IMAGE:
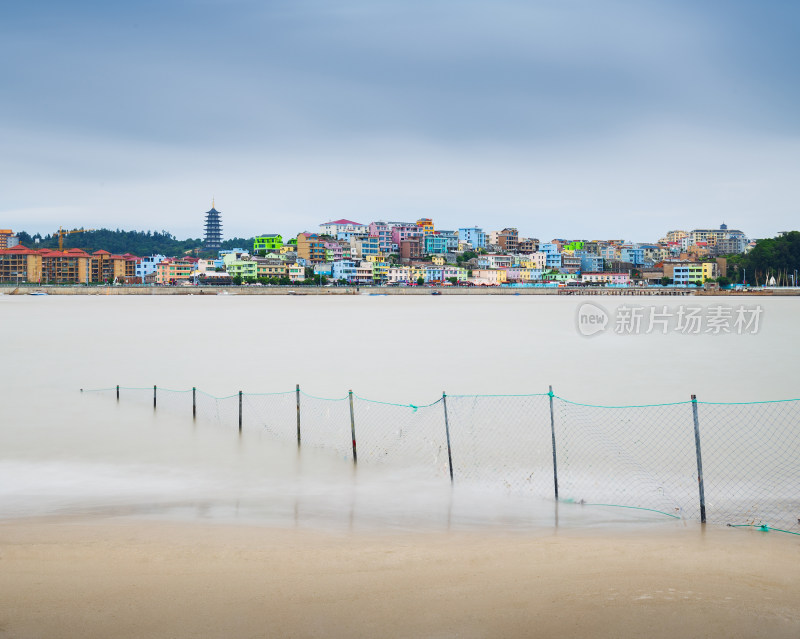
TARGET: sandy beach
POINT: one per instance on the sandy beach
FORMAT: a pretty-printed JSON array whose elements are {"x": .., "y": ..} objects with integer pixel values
[
  {"x": 120, "y": 521},
  {"x": 121, "y": 578}
]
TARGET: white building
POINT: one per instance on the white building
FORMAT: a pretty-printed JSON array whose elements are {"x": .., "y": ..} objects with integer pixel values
[{"x": 342, "y": 226}]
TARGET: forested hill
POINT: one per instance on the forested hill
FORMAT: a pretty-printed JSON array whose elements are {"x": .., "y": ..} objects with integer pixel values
[
  {"x": 134, "y": 242},
  {"x": 777, "y": 257}
]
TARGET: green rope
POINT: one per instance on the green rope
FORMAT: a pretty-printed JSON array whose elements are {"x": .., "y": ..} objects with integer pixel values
[
  {"x": 291, "y": 392},
  {"x": 768, "y": 401},
  {"x": 506, "y": 395},
  {"x": 652, "y": 510},
  {"x": 412, "y": 406},
  {"x": 215, "y": 397},
  {"x": 325, "y": 399},
  {"x": 763, "y": 527},
  {"x": 566, "y": 401},
  {"x": 415, "y": 407}
]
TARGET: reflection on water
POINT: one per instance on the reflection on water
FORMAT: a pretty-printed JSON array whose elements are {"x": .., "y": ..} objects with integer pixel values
[
  {"x": 162, "y": 466},
  {"x": 62, "y": 453}
]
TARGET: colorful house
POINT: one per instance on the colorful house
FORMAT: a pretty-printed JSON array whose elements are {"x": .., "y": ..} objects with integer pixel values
[
  {"x": 269, "y": 243},
  {"x": 474, "y": 236},
  {"x": 310, "y": 248},
  {"x": 491, "y": 277},
  {"x": 342, "y": 226},
  {"x": 435, "y": 244},
  {"x": 426, "y": 224}
]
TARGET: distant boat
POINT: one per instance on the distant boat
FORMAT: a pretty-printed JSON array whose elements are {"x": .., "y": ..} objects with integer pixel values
[
  {"x": 38, "y": 293},
  {"x": 436, "y": 292}
]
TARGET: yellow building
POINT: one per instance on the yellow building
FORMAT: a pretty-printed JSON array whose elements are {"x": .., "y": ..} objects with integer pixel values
[
  {"x": 5, "y": 235},
  {"x": 271, "y": 269},
  {"x": 426, "y": 224},
  {"x": 20, "y": 264},
  {"x": 438, "y": 260},
  {"x": 380, "y": 267},
  {"x": 171, "y": 271}
]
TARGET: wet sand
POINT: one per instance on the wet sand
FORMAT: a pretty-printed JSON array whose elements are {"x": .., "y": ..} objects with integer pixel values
[{"x": 121, "y": 578}]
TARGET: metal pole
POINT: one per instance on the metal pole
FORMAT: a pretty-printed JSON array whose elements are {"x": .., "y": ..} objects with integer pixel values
[
  {"x": 353, "y": 428},
  {"x": 447, "y": 431},
  {"x": 699, "y": 461},
  {"x": 117, "y": 392},
  {"x": 154, "y": 397},
  {"x": 194, "y": 402},
  {"x": 553, "y": 437},
  {"x": 240, "y": 412},
  {"x": 297, "y": 392}
]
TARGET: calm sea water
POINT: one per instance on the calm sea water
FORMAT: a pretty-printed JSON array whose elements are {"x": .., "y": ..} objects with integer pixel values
[{"x": 62, "y": 452}]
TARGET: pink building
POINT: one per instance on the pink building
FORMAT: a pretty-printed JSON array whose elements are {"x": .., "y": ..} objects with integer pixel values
[
  {"x": 383, "y": 231},
  {"x": 336, "y": 250},
  {"x": 405, "y": 232},
  {"x": 620, "y": 279}
]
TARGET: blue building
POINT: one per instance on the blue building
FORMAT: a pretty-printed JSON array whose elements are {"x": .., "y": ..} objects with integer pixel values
[
  {"x": 475, "y": 236},
  {"x": 632, "y": 254},
  {"x": 451, "y": 237},
  {"x": 553, "y": 256},
  {"x": 148, "y": 265},
  {"x": 590, "y": 263},
  {"x": 435, "y": 244},
  {"x": 345, "y": 270}
]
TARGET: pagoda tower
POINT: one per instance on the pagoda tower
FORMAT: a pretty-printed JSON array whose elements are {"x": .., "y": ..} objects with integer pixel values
[{"x": 213, "y": 229}]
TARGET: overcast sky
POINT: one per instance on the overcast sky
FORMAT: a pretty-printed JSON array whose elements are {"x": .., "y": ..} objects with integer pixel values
[{"x": 565, "y": 118}]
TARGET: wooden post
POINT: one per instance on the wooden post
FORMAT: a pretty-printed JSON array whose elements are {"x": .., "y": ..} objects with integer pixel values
[
  {"x": 699, "y": 461},
  {"x": 447, "y": 432},
  {"x": 117, "y": 392},
  {"x": 297, "y": 395},
  {"x": 194, "y": 402},
  {"x": 353, "y": 428},
  {"x": 553, "y": 437},
  {"x": 154, "y": 397},
  {"x": 240, "y": 412}
]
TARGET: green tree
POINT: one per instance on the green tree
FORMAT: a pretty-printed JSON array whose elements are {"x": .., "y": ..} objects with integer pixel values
[
  {"x": 237, "y": 280},
  {"x": 666, "y": 281},
  {"x": 420, "y": 281},
  {"x": 466, "y": 256},
  {"x": 453, "y": 280}
]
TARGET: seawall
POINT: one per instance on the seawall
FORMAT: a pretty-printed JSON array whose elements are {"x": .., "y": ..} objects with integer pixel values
[{"x": 375, "y": 290}]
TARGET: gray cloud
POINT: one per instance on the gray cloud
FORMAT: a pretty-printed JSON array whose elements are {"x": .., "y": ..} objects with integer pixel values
[{"x": 563, "y": 118}]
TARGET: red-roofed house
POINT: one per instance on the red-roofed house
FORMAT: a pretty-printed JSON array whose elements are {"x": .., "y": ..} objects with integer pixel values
[
  {"x": 20, "y": 264},
  {"x": 342, "y": 226}
]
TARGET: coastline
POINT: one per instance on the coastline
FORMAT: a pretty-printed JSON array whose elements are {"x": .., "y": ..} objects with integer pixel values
[
  {"x": 382, "y": 290},
  {"x": 65, "y": 577}
]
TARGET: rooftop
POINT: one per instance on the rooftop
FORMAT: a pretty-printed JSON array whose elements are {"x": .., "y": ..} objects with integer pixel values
[{"x": 343, "y": 221}]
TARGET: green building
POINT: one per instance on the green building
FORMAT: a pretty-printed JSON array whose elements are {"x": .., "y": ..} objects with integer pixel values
[{"x": 268, "y": 243}]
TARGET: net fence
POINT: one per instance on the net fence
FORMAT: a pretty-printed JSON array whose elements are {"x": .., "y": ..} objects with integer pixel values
[{"x": 638, "y": 457}]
